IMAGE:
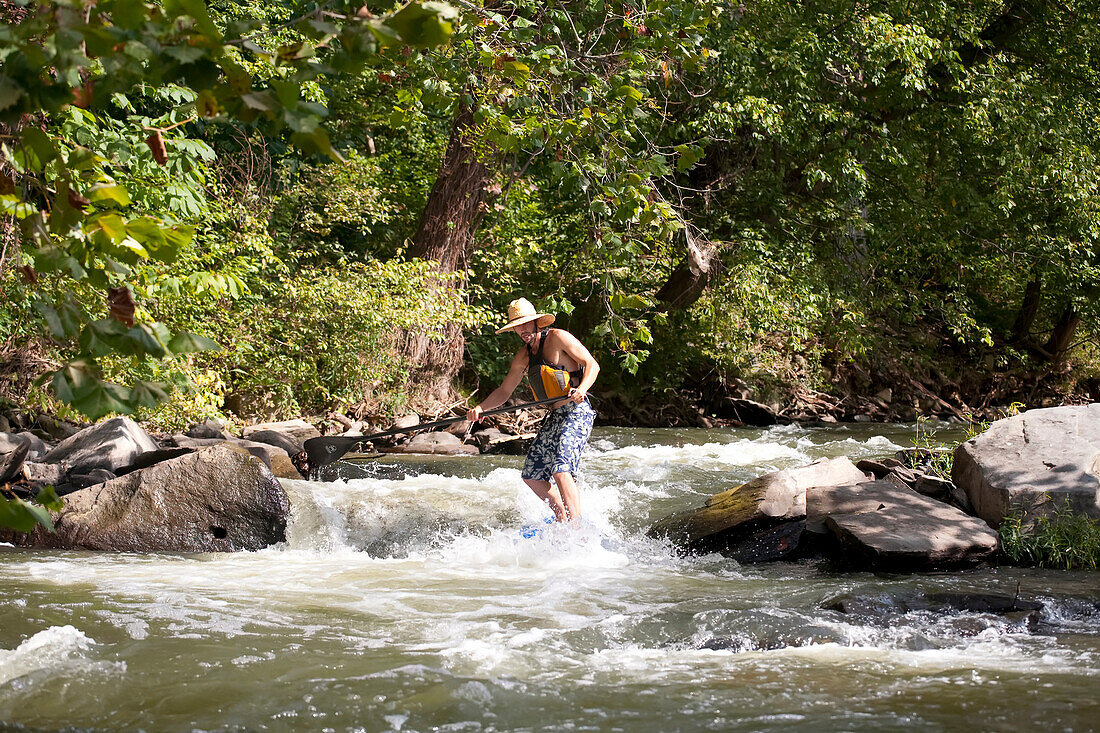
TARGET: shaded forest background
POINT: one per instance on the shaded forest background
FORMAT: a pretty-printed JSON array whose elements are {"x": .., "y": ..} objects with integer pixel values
[{"x": 888, "y": 209}]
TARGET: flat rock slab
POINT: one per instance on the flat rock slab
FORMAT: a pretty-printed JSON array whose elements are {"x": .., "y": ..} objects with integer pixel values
[
  {"x": 219, "y": 499},
  {"x": 907, "y": 531},
  {"x": 1038, "y": 461},
  {"x": 760, "y": 504}
]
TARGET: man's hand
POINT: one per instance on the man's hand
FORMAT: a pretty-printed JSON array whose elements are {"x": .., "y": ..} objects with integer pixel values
[
  {"x": 577, "y": 395},
  {"x": 474, "y": 413}
]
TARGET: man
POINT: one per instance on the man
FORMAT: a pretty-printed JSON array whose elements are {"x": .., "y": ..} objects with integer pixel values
[{"x": 556, "y": 365}]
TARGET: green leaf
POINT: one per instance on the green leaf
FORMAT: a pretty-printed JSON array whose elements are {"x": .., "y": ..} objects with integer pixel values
[
  {"x": 37, "y": 149},
  {"x": 109, "y": 194},
  {"x": 21, "y": 516},
  {"x": 423, "y": 25},
  {"x": 150, "y": 338},
  {"x": 48, "y": 498},
  {"x": 10, "y": 93},
  {"x": 102, "y": 398},
  {"x": 112, "y": 225},
  {"x": 186, "y": 343},
  {"x": 149, "y": 394}
]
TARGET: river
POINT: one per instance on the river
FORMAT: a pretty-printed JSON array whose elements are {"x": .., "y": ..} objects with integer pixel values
[{"x": 406, "y": 598}]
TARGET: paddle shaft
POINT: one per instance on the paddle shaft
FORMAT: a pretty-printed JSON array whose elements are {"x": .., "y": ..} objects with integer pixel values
[{"x": 325, "y": 450}]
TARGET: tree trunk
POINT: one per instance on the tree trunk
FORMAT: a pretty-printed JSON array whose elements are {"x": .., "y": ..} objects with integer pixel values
[
  {"x": 1029, "y": 308},
  {"x": 1062, "y": 335},
  {"x": 445, "y": 236}
]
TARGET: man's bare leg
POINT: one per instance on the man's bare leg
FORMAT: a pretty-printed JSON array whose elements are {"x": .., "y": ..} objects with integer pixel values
[
  {"x": 569, "y": 494},
  {"x": 546, "y": 491}
]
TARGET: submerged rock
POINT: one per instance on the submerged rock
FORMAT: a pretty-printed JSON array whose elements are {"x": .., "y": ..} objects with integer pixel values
[
  {"x": 1038, "y": 461},
  {"x": 219, "y": 499}
]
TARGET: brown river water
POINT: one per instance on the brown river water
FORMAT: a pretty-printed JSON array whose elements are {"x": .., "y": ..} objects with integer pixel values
[{"x": 406, "y": 598}]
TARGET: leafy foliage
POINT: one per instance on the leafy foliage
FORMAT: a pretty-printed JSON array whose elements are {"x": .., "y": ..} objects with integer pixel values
[{"x": 1062, "y": 539}]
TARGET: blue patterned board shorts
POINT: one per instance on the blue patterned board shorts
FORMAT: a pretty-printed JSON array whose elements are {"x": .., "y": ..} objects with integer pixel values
[{"x": 560, "y": 440}]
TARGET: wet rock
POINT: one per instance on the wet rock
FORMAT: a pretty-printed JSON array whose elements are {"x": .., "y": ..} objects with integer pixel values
[
  {"x": 909, "y": 601},
  {"x": 746, "y": 412},
  {"x": 111, "y": 444},
  {"x": 1039, "y": 461},
  {"x": 910, "y": 532},
  {"x": 218, "y": 499},
  {"x": 746, "y": 517},
  {"x": 298, "y": 430}
]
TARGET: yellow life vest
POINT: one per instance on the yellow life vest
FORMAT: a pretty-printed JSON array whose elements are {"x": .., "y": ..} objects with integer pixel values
[{"x": 549, "y": 380}]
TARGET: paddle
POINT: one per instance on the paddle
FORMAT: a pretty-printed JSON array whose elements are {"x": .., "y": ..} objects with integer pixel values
[{"x": 323, "y": 451}]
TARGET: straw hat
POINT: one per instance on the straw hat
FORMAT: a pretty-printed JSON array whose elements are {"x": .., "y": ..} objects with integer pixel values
[{"x": 521, "y": 311}]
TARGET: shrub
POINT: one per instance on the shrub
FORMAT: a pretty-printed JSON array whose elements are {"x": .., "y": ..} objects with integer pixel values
[{"x": 1062, "y": 539}]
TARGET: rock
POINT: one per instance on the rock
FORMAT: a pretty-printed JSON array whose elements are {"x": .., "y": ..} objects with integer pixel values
[
  {"x": 57, "y": 429},
  {"x": 10, "y": 442},
  {"x": 827, "y": 419},
  {"x": 878, "y": 467},
  {"x": 38, "y": 446},
  {"x": 219, "y": 499},
  {"x": 406, "y": 421},
  {"x": 905, "y": 476},
  {"x": 5, "y": 426},
  {"x": 83, "y": 480},
  {"x": 885, "y": 395},
  {"x": 298, "y": 430},
  {"x": 459, "y": 428},
  {"x": 1039, "y": 461},
  {"x": 441, "y": 443},
  {"x": 909, "y": 533},
  {"x": 45, "y": 473},
  {"x": 111, "y": 444},
  {"x": 489, "y": 436},
  {"x": 746, "y": 412},
  {"x": 276, "y": 459},
  {"x": 862, "y": 418},
  {"x": 279, "y": 440},
  {"x": 934, "y": 487},
  {"x": 907, "y": 602},
  {"x": 153, "y": 457},
  {"x": 733, "y": 518},
  {"x": 206, "y": 430},
  {"x": 11, "y": 462}
]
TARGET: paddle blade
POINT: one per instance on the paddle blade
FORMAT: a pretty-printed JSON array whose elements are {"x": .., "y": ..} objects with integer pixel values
[{"x": 323, "y": 451}]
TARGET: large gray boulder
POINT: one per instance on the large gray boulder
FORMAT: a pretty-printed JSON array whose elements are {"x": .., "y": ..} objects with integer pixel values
[
  {"x": 744, "y": 521},
  {"x": 1038, "y": 460},
  {"x": 111, "y": 444},
  {"x": 219, "y": 499},
  {"x": 885, "y": 526}
]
